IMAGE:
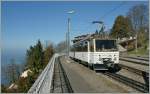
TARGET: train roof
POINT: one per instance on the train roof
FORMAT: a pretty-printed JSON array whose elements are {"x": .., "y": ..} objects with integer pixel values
[
  {"x": 90, "y": 37},
  {"x": 104, "y": 38}
]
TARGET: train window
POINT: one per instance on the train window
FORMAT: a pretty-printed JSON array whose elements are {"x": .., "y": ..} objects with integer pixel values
[
  {"x": 106, "y": 45},
  {"x": 84, "y": 46},
  {"x": 81, "y": 47}
]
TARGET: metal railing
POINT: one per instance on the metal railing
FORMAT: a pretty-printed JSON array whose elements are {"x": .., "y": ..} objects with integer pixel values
[{"x": 44, "y": 81}]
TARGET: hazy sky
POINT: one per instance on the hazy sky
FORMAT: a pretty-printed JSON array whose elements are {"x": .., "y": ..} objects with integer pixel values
[{"x": 23, "y": 23}]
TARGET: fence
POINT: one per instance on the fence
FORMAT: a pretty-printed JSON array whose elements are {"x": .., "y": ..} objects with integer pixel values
[{"x": 44, "y": 81}]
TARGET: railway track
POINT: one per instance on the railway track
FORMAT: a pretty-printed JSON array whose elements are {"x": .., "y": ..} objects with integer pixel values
[
  {"x": 134, "y": 70},
  {"x": 144, "y": 74},
  {"x": 138, "y": 58},
  {"x": 132, "y": 83},
  {"x": 60, "y": 83},
  {"x": 135, "y": 60}
]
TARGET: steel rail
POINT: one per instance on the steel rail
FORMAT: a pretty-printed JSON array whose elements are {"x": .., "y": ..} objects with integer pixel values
[
  {"x": 61, "y": 83},
  {"x": 70, "y": 90},
  {"x": 137, "y": 58},
  {"x": 133, "y": 61},
  {"x": 134, "y": 70},
  {"x": 132, "y": 83},
  {"x": 60, "y": 74}
]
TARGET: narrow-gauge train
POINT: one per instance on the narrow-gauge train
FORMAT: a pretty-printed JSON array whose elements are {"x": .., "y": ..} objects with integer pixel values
[{"x": 98, "y": 54}]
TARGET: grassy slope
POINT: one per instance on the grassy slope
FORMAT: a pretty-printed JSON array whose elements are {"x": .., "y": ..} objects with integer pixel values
[{"x": 141, "y": 51}]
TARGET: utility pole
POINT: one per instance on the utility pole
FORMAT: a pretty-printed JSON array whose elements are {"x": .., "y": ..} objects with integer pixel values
[
  {"x": 66, "y": 43},
  {"x": 68, "y": 36},
  {"x": 68, "y": 39}
]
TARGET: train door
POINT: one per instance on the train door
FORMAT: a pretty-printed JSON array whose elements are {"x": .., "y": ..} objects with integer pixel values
[{"x": 91, "y": 52}]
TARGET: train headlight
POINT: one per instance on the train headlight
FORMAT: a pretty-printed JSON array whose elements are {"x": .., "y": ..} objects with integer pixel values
[
  {"x": 100, "y": 59},
  {"x": 115, "y": 58}
]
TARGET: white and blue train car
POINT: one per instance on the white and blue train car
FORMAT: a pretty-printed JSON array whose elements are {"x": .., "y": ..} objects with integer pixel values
[{"x": 99, "y": 54}]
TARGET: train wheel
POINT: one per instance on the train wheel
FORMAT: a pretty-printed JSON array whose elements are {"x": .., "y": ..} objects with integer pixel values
[
  {"x": 115, "y": 68},
  {"x": 92, "y": 67}
]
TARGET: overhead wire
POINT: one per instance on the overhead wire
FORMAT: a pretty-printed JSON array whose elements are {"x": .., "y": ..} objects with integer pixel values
[
  {"x": 104, "y": 16},
  {"x": 112, "y": 10}
]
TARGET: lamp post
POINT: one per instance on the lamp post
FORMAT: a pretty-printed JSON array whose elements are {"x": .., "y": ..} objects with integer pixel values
[
  {"x": 68, "y": 34},
  {"x": 66, "y": 43}
]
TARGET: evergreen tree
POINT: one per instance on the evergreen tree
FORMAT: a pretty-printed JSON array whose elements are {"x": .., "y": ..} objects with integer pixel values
[
  {"x": 35, "y": 57},
  {"x": 38, "y": 56},
  {"x": 121, "y": 27}
]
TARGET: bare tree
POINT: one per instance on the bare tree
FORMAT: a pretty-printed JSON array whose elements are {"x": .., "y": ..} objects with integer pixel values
[
  {"x": 138, "y": 16},
  {"x": 12, "y": 71},
  {"x": 61, "y": 46}
]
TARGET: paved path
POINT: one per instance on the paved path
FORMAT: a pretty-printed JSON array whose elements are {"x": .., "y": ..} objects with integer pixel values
[{"x": 84, "y": 80}]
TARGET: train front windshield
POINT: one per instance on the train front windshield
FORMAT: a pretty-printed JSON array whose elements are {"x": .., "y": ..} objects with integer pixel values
[{"x": 106, "y": 45}]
